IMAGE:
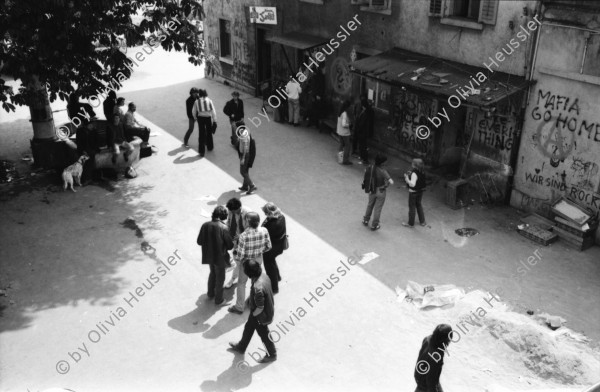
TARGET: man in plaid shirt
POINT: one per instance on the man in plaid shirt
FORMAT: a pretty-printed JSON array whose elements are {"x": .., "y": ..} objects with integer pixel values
[{"x": 253, "y": 242}]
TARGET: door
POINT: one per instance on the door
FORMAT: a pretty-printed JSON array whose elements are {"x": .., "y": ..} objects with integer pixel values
[{"x": 263, "y": 63}]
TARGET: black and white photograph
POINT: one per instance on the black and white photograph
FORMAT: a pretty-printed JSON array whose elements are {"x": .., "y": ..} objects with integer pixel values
[{"x": 299, "y": 195}]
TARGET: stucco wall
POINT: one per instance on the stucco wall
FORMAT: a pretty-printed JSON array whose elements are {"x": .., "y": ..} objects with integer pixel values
[
  {"x": 242, "y": 69},
  {"x": 409, "y": 27},
  {"x": 560, "y": 146}
]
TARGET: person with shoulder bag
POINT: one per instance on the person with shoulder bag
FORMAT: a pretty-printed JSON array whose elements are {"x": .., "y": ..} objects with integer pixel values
[{"x": 375, "y": 182}]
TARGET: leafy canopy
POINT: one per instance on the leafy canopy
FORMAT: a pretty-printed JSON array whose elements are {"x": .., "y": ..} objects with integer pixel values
[{"x": 61, "y": 42}]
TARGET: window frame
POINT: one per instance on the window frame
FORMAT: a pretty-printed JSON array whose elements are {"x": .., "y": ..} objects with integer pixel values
[
  {"x": 486, "y": 14},
  {"x": 229, "y": 58}
]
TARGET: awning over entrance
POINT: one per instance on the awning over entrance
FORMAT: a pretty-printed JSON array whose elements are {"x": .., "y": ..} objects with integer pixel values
[
  {"x": 299, "y": 40},
  {"x": 440, "y": 77}
]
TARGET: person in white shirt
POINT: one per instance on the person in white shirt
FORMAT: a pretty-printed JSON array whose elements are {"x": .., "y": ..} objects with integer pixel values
[
  {"x": 293, "y": 90},
  {"x": 204, "y": 111},
  {"x": 133, "y": 127},
  {"x": 343, "y": 131}
]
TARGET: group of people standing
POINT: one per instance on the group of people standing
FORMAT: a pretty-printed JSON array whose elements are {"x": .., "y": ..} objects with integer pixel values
[
  {"x": 235, "y": 228},
  {"x": 200, "y": 108}
]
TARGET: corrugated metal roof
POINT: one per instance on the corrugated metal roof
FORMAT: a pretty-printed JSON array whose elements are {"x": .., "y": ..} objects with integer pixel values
[
  {"x": 440, "y": 77},
  {"x": 299, "y": 40}
]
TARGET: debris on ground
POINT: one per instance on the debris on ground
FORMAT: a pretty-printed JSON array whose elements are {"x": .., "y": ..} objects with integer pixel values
[
  {"x": 466, "y": 232},
  {"x": 429, "y": 295},
  {"x": 8, "y": 172}
]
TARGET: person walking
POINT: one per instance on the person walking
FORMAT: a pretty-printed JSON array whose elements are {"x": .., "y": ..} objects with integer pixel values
[
  {"x": 416, "y": 181},
  {"x": 275, "y": 225},
  {"x": 253, "y": 242},
  {"x": 204, "y": 111},
  {"x": 375, "y": 182},
  {"x": 361, "y": 131},
  {"x": 215, "y": 240},
  {"x": 236, "y": 224},
  {"x": 234, "y": 110},
  {"x": 189, "y": 107},
  {"x": 293, "y": 90},
  {"x": 343, "y": 131},
  {"x": 431, "y": 359},
  {"x": 262, "y": 310},
  {"x": 247, "y": 154}
]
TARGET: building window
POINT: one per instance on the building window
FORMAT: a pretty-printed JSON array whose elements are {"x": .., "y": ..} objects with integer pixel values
[
  {"x": 225, "y": 35},
  {"x": 465, "y": 13},
  {"x": 379, "y": 6}
]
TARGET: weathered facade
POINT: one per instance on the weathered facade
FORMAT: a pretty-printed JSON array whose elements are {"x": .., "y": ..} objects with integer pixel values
[
  {"x": 508, "y": 89},
  {"x": 559, "y": 153}
]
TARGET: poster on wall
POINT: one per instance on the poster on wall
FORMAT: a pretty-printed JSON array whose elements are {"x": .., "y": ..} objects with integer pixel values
[{"x": 263, "y": 15}]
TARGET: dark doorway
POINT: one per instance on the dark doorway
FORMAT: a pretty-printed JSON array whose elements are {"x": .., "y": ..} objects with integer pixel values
[{"x": 263, "y": 62}]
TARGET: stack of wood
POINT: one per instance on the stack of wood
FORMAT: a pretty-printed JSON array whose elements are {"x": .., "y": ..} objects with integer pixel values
[{"x": 574, "y": 224}]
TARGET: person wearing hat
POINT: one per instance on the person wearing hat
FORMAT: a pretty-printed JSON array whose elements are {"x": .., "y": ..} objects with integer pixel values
[
  {"x": 375, "y": 182},
  {"x": 251, "y": 245},
  {"x": 189, "y": 106},
  {"x": 234, "y": 110},
  {"x": 275, "y": 225}
]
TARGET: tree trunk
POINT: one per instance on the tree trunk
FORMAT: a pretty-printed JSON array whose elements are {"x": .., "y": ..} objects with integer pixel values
[{"x": 41, "y": 113}]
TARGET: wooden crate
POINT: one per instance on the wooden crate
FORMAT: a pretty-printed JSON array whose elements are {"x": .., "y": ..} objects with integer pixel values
[
  {"x": 537, "y": 234},
  {"x": 455, "y": 192}
]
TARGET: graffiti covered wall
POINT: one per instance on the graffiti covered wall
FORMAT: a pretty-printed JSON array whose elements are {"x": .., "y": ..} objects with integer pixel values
[{"x": 239, "y": 63}]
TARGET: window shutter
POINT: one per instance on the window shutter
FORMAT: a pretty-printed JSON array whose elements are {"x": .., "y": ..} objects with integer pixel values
[
  {"x": 435, "y": 7},
  {"x": 488, "y": 10},
  {"x": 377, "y": 3}
]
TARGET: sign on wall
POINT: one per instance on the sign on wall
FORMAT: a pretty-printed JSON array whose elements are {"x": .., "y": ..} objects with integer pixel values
[{"x": 263, "y": 15}]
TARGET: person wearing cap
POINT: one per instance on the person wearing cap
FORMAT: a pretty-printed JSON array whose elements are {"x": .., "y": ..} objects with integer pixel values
[
  {"x": 262, "y": 310},
  {"x": 189, "y": 106},
  {"x": 234, "y": 110},
  {"x": 215, "y": 240},
  {"x": 275, "y": 225},
  {"x": 253, "y": 242},
  {"x": 375, "y": 183}
]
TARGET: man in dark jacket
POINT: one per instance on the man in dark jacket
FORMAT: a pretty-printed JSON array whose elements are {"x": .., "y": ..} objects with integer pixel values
[
  {"x": 109, "y": 106},
  {"x": 234, "y": 110},
  {"x": 215, "y": 240},
  {"x": 189, "y": 105},
  {"x": 262, "y": 310},
  {"x": 431, "y": 359}
]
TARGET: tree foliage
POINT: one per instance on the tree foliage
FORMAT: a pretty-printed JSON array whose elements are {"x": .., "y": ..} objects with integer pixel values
[{"x": 59, "y": 43}]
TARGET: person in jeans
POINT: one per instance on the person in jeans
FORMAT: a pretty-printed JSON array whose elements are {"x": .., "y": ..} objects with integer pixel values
[
  {"x": 133, "y": 127},
  {"x": 253, "y": 242},
  {"x": 293, "y": 90},
  {"x": 415, "y": 180},
  {"x": 431, "y": 359},
  {"x": 116, "y": 137},
  {"x": 189, "y": 106},
  {"x": 343, "y": 130},
  {"x": 236, "y": 222},
  {"x": 215, "y": 240},
  {"x": 262, "y": 310},
  {"x": 375, "y": 182},
  {"x": 246, "y": 161},
  {"x": 275, "y": 225}
]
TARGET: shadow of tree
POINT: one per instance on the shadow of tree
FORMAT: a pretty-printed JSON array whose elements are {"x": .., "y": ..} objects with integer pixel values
[{"x": 80, "y": 244}]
